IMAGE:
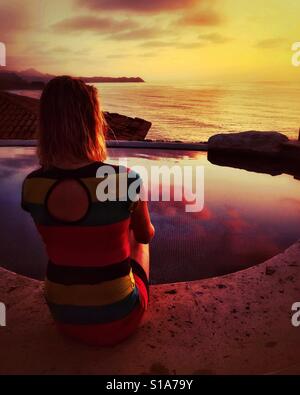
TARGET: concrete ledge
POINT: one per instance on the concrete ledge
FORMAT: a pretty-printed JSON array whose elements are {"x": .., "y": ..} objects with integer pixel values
[
  {"x": 148, "y": 144},
  {"x": 235, "y": 324}
]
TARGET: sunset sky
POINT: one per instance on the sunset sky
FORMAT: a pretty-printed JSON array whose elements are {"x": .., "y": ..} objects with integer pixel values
[{"x": 194, "y": 40}]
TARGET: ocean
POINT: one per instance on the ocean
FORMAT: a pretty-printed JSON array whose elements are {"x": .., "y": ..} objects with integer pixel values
[{"x": 196, "y": 111}]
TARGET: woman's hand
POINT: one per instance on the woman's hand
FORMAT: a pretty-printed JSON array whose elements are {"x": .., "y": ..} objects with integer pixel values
[{"x": 141, "y": 225}]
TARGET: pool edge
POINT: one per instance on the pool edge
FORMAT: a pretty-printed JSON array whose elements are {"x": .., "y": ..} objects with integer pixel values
[{"x": 239, "y": 323}]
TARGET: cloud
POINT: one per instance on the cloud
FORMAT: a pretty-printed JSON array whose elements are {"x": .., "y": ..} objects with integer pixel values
[
  {"x": 189, "y": 45},
  {"x": 206, "y": 214},
  {"x": 60, "y": 49},
  {"x": 148, "y": 55},
  {"x": 115, "y": 29},
  {"x": 173, "y": 44},
  {"x": 13, "y": 20},
  {"x": 122, "y": 56},
  {"x": 117, "y": 56},
  {"x": 214, "y": 38},
  {"x": 140, "y": 6},
  {"x": 270, "y": 43},
  {"x": 102, "y": 25},
  {"x": 137, "y": 34},
  {"x": 157, "y": 44},
  {"x": 203, "y": 39},
  {"x": 206, "y": 17},
  {"x": 293, "y": 202},
  {"x": 235, "y": 221}
]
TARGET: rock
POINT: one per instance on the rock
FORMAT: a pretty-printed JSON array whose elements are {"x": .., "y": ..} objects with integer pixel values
[
  {"x": 126, "y": 128},
  {"x": 291, "y": 150},
  {"x": 251, "y": 143},
  {"x": 18, "y": 120}
]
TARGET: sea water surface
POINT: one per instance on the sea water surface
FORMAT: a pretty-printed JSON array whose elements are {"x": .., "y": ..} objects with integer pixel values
[{"x": 196, "y": 111}]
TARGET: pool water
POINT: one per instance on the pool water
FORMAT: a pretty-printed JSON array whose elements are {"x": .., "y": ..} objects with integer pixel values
[{"x": 247, "y": 217}]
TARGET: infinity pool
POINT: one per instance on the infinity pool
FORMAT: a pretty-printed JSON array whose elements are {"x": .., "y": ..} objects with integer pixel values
[{"x": 247, "y": 217}]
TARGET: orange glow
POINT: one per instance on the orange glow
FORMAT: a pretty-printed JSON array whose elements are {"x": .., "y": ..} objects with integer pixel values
[{"x": 161, "y": 40}]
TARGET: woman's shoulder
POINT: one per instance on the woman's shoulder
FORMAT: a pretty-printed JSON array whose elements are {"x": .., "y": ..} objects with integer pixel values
[
  {"x": 119, "y": 169},
  {"x": 88, "y": 171},
  {"x": 35, "y": 173}
]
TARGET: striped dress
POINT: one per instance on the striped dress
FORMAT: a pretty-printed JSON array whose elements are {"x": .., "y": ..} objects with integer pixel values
[{"x": 95, "y": 292}]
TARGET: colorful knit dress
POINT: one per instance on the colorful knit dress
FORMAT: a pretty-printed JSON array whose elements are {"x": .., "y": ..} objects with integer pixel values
[{"x": 95, "y": 292}]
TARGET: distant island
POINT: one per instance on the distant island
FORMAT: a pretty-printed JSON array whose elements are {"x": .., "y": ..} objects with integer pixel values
[
  {"x": 33, "y": 79},
  {"x": 111, "y": 79},
  {"x": 10, "y": 81}
]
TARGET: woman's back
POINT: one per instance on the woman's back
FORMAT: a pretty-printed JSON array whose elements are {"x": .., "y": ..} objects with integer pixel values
[{"x": 94, "y": 290}]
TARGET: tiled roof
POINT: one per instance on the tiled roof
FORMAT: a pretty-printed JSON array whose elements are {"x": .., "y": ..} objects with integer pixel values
[{"x": 18, "y": 116}]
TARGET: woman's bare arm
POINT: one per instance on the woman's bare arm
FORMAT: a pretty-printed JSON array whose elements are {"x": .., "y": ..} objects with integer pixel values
[{"x": 141, "y": 225}]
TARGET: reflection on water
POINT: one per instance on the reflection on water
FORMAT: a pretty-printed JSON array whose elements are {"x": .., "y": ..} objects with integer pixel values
[{"x": 247, "y": 218}]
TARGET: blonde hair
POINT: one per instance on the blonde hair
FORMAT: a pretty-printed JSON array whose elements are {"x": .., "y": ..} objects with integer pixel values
[{"x": 71, "y": 125}]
